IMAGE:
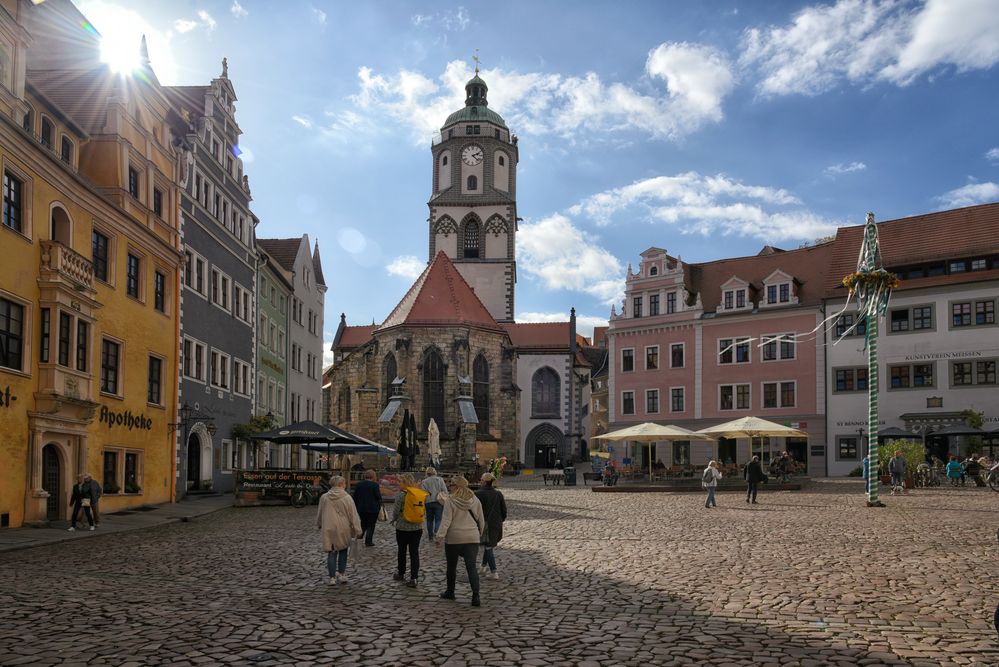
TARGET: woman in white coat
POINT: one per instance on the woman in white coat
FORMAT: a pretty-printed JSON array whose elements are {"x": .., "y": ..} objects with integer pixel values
[
  {"x": 709, "y": 480},
  {"x": 339, "y": 522}
]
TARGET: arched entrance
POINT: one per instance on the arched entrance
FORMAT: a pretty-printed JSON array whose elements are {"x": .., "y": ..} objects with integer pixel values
[
  {"x": 61, "y": 227},
  {"x": 193, "y": 461},
  {"x": 545, "y": 441},
  {"x": 52, "y": 481}
]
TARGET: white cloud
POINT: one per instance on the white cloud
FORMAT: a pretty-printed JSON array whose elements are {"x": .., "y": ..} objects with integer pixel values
[
  {"x": 697, "y": 79},
  {"x": 709, "y": 205},
  {"x": 562, "y": 257},
  {"x": 969, "y": 195},
  {"x": 237, "y": 10},
  {"x": 863, "y": 41},
  {"x": 327, "y": 351},
  {"x": 453, "y": 21},
  {"x": 206, "y": 20},
  {"x": 992, "y": 155},
  {"x": 319, "y": 15},
  {"x": 584, "y": 323},
  {"x": 843, "y": 168},
  {"x": 304, "y": 121},
  {"x": 406, "y": 266}
]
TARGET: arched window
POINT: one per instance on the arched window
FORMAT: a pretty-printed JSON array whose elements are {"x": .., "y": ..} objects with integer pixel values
[
  {"x": 480, "y": 393},
  {"x": 343, "y": 405},
  {"x": 444, "y": 161},
  {"x": 653, "y": 271},
  {"x": 433, "y": 389},
  {"x": 471, "y": 239},
  {"x": 391, "y": 371},
  {"x": 473, "y": 183},
  {"x": 545, "y": 393},
  {"x": 46, "y": 133},
  {"x": 61, "y": 228}
]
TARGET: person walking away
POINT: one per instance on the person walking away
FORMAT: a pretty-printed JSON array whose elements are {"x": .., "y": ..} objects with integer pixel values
[
  {"x": 754, "y": 475},
  {"x": 435, "y": 486},
  {"x": 96, "y": 491},
  {"x": 409, "y": 516},
  {"x": 461, "y": 531},
  {"x": 82, "y": 498},
  {"x": 368, "y": 500},
  {"x": 954, "y": 471},
  {"x": 339, "y": 522},
  {"x": 494, "y": 511},
  {"x": 709, "y": 480},
  {"x": 896, "y": 468}
]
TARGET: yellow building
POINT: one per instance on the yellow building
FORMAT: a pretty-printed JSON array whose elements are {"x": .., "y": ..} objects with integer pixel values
[{"x": 89, "y": 276}]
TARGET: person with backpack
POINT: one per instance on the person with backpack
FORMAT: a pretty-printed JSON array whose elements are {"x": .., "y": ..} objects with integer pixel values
[
  {"x": 461, "y": 530},
  {"x": 709, "y": 480},
  {"x": 754, "y": 475},
  {"x": 494, "y": 511},
  {"x": 409, "y": 516}
]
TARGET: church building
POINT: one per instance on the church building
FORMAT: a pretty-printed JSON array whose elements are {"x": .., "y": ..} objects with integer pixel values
[{"x": 451, "y": 350}]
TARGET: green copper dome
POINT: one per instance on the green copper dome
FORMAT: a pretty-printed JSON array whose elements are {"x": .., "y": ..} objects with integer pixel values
[{"x": 476, "y": 105}]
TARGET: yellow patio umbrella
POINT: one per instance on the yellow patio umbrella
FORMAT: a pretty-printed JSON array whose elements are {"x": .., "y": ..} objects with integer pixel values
[
  {"x": 650, "y": 432},
  {"x": 752, "y": 427}
]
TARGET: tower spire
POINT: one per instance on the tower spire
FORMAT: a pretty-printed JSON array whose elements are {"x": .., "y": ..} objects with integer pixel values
[{"x": 476, "y": 59}]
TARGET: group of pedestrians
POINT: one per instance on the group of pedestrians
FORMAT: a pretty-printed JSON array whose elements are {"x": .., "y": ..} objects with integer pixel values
[
  {"x": 450, "y": 513},
  {"x": 752, "y": 473},
  {"x": 86, "y": 495}
]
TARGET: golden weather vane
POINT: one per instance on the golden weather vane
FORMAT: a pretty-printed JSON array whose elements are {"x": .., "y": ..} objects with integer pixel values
[{"x": 476, "y": 59}]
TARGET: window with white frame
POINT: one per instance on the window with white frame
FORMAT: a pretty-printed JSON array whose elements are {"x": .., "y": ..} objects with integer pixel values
[
  {"x": 676, "y": 399},
  {"x": 220, "y": 289},
  {"x": 228, "y": 460},
  {"x": 779, "y": 394},
  {"x": 627, "y": 402},
  {"x": 778, "y": 346},
  {"x": 627, "y": 360},
  {"x": 676, "y": 355},
  {"x": 733, "y": 397},
  {"x": 651, "y": 401},
  {"x": 652, "y": 358},
  {"x": 733, "y": 351},
  {"x": 241, "y": 377},
  {"x": 220, "y": 369},
  {"x": 242, "y": 304},
  {"x": 194, "y": 359}
]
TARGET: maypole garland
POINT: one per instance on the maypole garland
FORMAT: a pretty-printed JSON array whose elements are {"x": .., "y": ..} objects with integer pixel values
[{"x": 872, "y": 286}]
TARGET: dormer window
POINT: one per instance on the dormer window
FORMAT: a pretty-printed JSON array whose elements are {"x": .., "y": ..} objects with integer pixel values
[
  {"x": 778, "y": 289},
  {"x": 735, "y": 298},
  {"x": 740, "y": 298}
]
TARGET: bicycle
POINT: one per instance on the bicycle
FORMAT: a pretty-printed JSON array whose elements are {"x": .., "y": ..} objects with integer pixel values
[
  {"x": 992, "y": 477},
  {"x": 303, "y": 495}
]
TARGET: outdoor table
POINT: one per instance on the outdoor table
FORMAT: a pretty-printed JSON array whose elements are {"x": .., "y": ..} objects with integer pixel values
[{"x": 555, "y": 476}]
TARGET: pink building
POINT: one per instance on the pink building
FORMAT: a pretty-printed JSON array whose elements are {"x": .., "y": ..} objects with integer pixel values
[{"x": 700, "y": 344}]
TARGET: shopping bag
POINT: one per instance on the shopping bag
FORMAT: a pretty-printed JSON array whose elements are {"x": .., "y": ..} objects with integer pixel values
[
  {"x": 355, "y": 549},
  {"x": 382, "y": 514}
]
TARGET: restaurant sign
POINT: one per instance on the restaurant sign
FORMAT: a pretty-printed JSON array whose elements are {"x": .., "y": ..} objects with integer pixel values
[{"x": 257, "y": 480}]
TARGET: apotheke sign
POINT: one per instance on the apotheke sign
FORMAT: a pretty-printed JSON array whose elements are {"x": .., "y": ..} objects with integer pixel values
[{"x": 125, "y": 420}]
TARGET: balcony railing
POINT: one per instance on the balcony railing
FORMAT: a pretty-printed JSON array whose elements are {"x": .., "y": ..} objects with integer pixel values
[{"x": 68, "y": 264}]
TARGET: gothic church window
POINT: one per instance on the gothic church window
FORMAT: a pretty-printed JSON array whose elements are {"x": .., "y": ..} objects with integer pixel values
[
  {"x": 343, "y": 405},
  {"x": 471, "y": 239},
  {"x": 433, "y": 389},
  {"x": 391, "y": 371},
  {"x": 480, "y": 393},
  {"x": 545, "y": 393}
]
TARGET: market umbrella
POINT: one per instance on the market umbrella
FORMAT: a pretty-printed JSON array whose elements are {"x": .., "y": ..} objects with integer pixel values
[
  {"x": 434, "y": 442},
  {"x": 752, "y": 427},
  {"x": 310, "y": 433},
  {"x": 404, "y": 439},
  {"x": 895, "y": 433},
  {"x": 650, "y": 432},
  {"x": 959, "y": 429},
  {"x": 414, "y": 449}
]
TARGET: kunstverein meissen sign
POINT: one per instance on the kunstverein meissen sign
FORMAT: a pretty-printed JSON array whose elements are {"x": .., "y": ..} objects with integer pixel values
[{"x": 115, "y": 419}]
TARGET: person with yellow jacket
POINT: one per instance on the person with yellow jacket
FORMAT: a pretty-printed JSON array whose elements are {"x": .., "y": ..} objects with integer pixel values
[
  {"x": 461, "y": 530},
  {"x": 339, "y": 522}
]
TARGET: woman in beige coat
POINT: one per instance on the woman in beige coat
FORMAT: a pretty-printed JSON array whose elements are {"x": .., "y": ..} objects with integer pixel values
[
  {"x": 461, "y": 530},
  {"x": 339, "y": 522}
]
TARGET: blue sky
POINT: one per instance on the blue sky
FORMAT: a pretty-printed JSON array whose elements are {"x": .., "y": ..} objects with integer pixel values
[{"x": 706, "y": 128}]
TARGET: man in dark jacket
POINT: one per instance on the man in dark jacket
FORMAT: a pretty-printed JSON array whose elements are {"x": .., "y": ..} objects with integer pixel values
[
  {"x": 754, "y": 475},
  {"x": 494, "y": 512},
  {"x": 82, "y": 498},
  {"x": 96, "y": 491},
  {"x": 368, "y": 500}
]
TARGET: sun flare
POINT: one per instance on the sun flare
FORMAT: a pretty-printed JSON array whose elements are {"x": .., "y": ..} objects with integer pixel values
[
  {"x": 121, "y": 30},
  {"x": 120, "y": 52}
]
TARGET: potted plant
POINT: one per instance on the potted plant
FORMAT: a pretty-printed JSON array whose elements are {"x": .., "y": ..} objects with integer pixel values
[
  {"x": 111, "y": 487},
  {"x": 132, "y": 487}
]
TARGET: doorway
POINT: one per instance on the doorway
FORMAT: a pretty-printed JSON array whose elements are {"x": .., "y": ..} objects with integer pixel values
[
  {"x": 545, "y": 441},
  {"x": 193, "y": 461},
  {"x": 798, "y": 449},
  {"x": 52, "y": 481}
]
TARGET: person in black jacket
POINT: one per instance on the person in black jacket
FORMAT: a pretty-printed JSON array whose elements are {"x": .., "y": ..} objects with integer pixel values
[
  {"x": 83, "y": 497},
  {"x": 754, "y": 475},
  {"x": 368, "y": 500},
  {"x": 494, "y": 512}
]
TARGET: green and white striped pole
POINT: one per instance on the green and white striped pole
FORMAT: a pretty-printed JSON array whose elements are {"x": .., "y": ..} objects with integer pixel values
[{"x": 873, "y": 466}]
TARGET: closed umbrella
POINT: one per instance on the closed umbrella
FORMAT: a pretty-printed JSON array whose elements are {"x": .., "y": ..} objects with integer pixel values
[
  {"x": 434, "y": 442},
  {"x": 404, "y": 439},
  {"x": 414, "y": 449},
  {"x": 650, "y": 432}
]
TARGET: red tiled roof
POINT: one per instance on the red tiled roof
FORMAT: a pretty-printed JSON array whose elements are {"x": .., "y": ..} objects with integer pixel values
[
  {"x": 599, "y": 336},
  {"x": 954, "y": 234},
  {"x": 440, "y": 296},
  {"x": 356, "y": 336},
  {"x": 808, "y": 267},
  {"x": 539, "y": 335},
  {"x": 283, "y": 251}
]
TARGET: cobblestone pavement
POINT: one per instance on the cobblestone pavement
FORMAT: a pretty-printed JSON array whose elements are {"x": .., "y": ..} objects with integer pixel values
[{"x": 804, "y": 578}]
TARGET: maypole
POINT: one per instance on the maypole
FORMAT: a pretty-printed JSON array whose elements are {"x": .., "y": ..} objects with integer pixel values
[{"x": 872, "y": 286}]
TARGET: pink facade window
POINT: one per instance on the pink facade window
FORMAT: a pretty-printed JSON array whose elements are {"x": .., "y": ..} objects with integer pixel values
[
  {"x": 652, "y": 358},
  {"x": 627, "y": 403},
  {"x": 627, "y": 360}
]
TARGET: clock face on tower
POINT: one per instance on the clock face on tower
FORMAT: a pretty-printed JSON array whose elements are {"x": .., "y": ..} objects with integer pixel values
[{"x": 471, "y": 155}]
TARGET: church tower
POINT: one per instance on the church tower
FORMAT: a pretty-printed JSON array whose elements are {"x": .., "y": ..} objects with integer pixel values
[{"x": 473, "y": 206}]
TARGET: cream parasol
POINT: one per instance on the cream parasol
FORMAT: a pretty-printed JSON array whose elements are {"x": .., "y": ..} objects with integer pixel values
[{"x": 650, "y": 432}]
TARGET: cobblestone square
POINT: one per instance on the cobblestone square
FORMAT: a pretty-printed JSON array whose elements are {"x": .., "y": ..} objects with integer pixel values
[{"x": 804, "y": 578}]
